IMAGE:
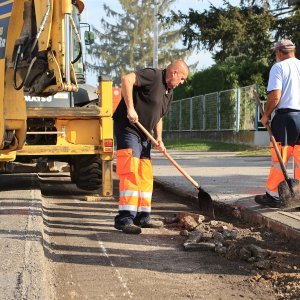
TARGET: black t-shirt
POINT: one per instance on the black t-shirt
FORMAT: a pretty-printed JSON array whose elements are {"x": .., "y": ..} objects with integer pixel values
[{"x": 151, "y": 99}]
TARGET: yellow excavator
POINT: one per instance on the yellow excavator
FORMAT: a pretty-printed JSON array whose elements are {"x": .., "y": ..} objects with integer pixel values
[{"x": 40, "y": 59}]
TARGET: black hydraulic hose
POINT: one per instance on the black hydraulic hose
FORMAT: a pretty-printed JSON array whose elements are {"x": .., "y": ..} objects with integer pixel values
[
  {"x": 79, "y": 41},
  {"x": 78, "y": 56},
  {"x": 16, "y": 63},
  {"x": 18, "y": 55}
]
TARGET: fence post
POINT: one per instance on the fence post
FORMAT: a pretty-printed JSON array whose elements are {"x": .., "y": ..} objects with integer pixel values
[
  {"x": 237, "y": 116},
  {"x": 204, "y": 112},
  {"x": 170, "y": 118},
  {"x": 218, "y": 112},
  {"x": 180, "y": 115},
  {"x": 191, "y": 114},
  {"x": 256, "y": 111}
]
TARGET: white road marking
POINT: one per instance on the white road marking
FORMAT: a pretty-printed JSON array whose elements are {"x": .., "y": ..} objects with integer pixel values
[{"x": 122, "y": 281}]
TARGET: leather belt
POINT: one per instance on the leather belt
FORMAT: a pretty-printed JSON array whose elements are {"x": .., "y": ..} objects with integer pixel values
[{"x": 286, "y": 110}]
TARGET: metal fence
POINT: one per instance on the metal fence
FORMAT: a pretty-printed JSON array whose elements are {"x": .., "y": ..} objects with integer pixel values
[{"x": 226, "y": 110}]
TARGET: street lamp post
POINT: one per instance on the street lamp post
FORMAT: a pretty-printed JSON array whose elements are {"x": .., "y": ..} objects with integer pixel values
[{"x": 155, "y": 35}]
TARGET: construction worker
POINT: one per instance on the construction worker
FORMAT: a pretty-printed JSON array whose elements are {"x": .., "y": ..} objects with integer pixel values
[
  {"x": 146, "y": 97},
  {"x": 283, "y": 97}
]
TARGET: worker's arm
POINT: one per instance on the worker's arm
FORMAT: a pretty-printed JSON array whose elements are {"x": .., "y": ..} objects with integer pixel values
[
  {"x": 273, "y": 100},
  {"x": 158, "y": 135},
  {"x": 128, "y": 81}
]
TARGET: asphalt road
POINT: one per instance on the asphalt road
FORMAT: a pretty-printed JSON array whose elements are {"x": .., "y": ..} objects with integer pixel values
[
  {"x": 225, "y": 176},
  {"x": 22, "y": 262},
  {"x": 54, "y": 245}
]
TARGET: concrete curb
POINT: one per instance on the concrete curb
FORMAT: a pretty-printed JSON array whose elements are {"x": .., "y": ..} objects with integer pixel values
[
  {"x": 253, "y": 216},
  {"x": 36, "y": 270},
  {"x": 174, "y": 190}
]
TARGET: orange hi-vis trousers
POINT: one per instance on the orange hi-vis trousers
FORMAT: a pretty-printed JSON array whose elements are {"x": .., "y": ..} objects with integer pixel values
[
  {"x": 296, "y": 153},
  {"x": 286, "y": 130},
  {"x": 134, "y": 169},
  {"x": 276, "y": 175},
  {"x": 136, "y": 182}
]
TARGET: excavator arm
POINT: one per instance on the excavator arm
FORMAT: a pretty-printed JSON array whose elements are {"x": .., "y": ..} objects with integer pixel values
[{"x": 35, "y": 56}]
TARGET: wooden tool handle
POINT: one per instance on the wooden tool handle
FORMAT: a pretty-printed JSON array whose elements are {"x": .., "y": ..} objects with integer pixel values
[
  {"x": 283, "y": 168},
  {"x": 153, "y": 140}
]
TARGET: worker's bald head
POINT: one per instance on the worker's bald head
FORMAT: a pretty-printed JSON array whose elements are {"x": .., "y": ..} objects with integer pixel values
[
  {"x": 178, "y": 64},
  {"x": 176, "y": 73}
]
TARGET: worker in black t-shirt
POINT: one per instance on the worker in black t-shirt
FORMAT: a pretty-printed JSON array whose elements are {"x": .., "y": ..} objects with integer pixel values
[{"x": 146, "y": 97}]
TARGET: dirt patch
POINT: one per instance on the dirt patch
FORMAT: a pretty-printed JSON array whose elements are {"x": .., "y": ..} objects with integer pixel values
[{"x": 269, "y": 259}]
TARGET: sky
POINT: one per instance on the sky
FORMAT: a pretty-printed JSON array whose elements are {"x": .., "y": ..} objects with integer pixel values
[{"x": 94, "y": 12}]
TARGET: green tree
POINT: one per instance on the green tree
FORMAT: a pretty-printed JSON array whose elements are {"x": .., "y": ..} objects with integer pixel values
[
  {"x": 229, "y": 31},
  {"x": 286, "y": 19},
  {"x": 240, "y": 40},
  {"x": 246, "y": 31},
  {"x": 125, "y": 42}
]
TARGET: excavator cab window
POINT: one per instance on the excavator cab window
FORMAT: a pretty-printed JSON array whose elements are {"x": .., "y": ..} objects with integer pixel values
[
  {"x": 77, "y": 47},
  {"x": 77, "y": 51}
]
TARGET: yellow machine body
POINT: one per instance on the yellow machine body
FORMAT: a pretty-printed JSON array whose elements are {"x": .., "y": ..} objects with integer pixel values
[{"x": 35, "y": 57}]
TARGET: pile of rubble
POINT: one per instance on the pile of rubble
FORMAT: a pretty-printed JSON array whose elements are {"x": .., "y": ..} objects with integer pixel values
[
  {"x": 218, "y": 236},
  {"x": 241, "y": 243}
]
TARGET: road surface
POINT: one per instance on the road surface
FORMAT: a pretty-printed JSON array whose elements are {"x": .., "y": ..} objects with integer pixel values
[{"x": 54, "y": 245}]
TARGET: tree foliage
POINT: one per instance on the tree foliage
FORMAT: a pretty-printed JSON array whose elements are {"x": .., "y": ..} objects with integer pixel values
[
  {"x": 227, "y": 31},
  {"x": 125, "y": 42},
  {"x": 239, "y": 38},
  {"x": 223, "y": 76}
]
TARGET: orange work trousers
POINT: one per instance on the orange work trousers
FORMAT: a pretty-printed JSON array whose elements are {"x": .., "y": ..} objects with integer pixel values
[
  {"x": 134, "y": 169},
  {"x": 286, "y": 130}
]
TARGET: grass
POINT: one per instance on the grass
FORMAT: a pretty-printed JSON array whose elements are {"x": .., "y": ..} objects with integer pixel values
[{"x": 205, "y": 146}]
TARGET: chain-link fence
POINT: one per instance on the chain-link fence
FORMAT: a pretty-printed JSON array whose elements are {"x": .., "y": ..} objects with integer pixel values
[{"x": 226, "y": 110}]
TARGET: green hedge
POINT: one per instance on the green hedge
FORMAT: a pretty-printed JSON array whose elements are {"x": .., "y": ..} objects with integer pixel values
[{"x": 225, "y": 76}]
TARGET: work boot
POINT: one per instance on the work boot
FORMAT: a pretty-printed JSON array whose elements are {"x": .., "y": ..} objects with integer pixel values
[
  {"x": 268, "y": 200},
  {"x": 152, "y": 224},
  {"x": 129, "y": 228}
]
